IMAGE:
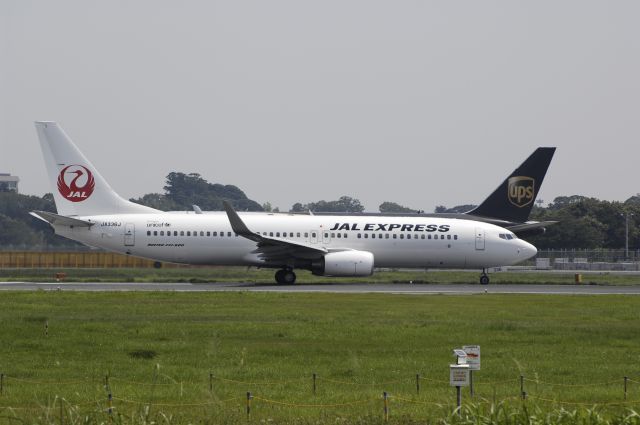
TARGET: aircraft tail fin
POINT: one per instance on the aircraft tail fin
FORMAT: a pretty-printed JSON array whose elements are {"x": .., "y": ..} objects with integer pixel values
[
  {"x": 78, "y": 188},
  {"x": 515, "y": 197}
]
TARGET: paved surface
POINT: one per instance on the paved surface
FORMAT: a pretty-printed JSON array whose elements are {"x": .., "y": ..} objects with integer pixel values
[{"x": 416, "y": 289}]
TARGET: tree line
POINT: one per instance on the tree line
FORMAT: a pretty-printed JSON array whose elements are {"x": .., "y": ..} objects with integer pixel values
[{"x": 584, "y": 223}]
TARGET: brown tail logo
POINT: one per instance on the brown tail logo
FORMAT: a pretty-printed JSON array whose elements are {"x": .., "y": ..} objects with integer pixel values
[{"x": 521, "y": 190}]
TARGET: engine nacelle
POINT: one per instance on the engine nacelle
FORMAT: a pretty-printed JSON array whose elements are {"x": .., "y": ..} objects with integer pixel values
[{"x": 344, "y": 263}]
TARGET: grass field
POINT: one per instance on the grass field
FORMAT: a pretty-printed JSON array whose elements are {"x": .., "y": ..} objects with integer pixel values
[
  {"x": 242, "y": 274},
  {"x": 159, "y": 350}
]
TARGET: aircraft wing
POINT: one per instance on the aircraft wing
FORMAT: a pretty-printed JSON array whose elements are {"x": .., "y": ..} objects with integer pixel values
[
  {"x": 269, "y": 248},
  {"x": 529, "y": 226},
  {"x": 53, "y": 219}
]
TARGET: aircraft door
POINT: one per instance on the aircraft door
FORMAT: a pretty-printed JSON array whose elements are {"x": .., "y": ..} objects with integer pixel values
[
  {"x": 479, "y": 239},
  {"x": 129, "y": 234}
]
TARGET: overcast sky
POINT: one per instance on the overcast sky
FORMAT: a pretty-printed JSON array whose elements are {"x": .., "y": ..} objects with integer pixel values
[{"x": 418, "y": 102}]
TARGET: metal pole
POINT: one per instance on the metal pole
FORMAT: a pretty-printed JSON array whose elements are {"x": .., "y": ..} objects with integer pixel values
[
  {"x": 471, "y": 382},
  {"x": 625, "y": 387},
  {"x": 110, "y": 406},
  {"x": 210, "y": 382},
  {"x": 418, "y": 383},
  {"x": 459, "y": 398},
  {"x": 314, "y": 384},
  {"x": 386, "y": 406},
  {"x": 522, "y": 393},
  {"x": 249, "y": 397},
  {"x": 1, "y": 383},
  {"x": 626, "y": 234}
]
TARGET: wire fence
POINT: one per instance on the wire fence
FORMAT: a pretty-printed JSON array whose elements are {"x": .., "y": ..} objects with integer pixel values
[{"x": 111, "y": 391}]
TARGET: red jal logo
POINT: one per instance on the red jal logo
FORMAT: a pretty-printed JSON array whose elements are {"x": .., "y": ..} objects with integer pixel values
[{"x": 79, "y": 187}]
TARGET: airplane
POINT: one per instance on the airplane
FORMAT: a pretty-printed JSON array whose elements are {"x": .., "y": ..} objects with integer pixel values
[
  {"x": 510, "y": 204},
  {"x": 91, "y": 212}
]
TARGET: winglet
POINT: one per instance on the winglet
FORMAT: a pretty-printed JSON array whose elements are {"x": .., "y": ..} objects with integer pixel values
[
  {"x": 55, "y": 219},
  {"x": 237, "y": 224}
]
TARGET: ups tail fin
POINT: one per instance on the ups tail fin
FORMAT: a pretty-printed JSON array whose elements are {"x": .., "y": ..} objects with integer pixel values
[
  {"x": 514, "y": 198},
  {"x": 78, "y": 188}
]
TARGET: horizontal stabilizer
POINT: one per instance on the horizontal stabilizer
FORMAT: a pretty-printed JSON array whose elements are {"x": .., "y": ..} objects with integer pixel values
[{"x": 55, "y": 219}]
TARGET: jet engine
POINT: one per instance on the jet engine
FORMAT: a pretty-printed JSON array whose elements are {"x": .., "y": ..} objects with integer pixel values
[{"x": 344, "y": 263}]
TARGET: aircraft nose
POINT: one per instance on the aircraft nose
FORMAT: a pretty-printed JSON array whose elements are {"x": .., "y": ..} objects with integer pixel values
[{"x": 526, "y": 250}]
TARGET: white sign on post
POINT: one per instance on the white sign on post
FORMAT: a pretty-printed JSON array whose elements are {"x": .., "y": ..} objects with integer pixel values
[
  {"x": 473, "y": 356},
  {"x": 459, "y": 375}
]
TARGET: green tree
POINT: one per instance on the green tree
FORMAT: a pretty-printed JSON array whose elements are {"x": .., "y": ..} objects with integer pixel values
[
  {"x": 344, "y": 204},
  {"x": 393, "y": 208}
]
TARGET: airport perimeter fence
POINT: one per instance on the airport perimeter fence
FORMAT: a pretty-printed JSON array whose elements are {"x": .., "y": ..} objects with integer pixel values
[
  {"x": 592, "y": 259},
  {"x": 113, "y": 394},
  {"x": 74, "y": 259},
  {"x": 564, "y": 259}
]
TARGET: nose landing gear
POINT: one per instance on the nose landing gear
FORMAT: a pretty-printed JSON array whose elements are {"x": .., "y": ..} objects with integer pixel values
[
  {"x": 286, "y": 277},
  {"x": 484, "y": 277}
]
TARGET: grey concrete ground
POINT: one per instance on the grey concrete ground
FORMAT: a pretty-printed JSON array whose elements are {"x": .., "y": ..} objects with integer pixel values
[{"x": 415, "y": 289}]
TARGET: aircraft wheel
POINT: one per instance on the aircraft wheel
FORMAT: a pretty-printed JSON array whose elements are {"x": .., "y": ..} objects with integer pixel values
[
  {"x": 280, "y": 276},
  {"x": 484, "y": 279},
  {"x": 289, "y": 277}
]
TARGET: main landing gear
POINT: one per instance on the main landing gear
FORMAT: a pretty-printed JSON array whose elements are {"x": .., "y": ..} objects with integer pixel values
[
  {"x": 484, "y": 277},
  {"x": 286, "y": 277}
]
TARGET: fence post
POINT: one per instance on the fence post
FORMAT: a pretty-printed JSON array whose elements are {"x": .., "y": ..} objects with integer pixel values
[
  {"x": 522, "y": 393},
  {"x": 210, "y": 382},
  {"x": 110, "y": 406},
  {"x": 385, "y": 396},
  {"x": 1, "y": 383},
  {"x": 249, "y": 397},
  {"x": 314, "y": 384},
  {"x": 625, "y": 387},
  {"x": 417, "y": 383}
]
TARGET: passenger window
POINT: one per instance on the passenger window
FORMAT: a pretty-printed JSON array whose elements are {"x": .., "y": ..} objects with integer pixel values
[
  {"x": 181, "y": 232},
  {"x": 455, "y": 237},
  {"x": 386, "y": 236},
  {"x": 298, "y": 234},
  {"x": 148, "y": 232},
  {"x": 215, "y": 233},
  {"x": 189, "y": 233},
  {"x": 359, "y": 236},
  {"x": 306, "y": 234},
  {"x": 161, "y": 232},
  {"x": 326, "y": 235},
  {"x": 313, "y": 235},
  {"x": 408, "y": 236},
  {"x": 229, "y": 234},
  {"x": 366, "y": 236},
  {"x": 155, "y": 233},
  {"x": 395, "y": 236},
  {"x": 271, "y": 234},
  {"x": 421, "y": 236},
  {"x": 195, "y": 233},
  {"x": 448, "y": 236},
  {"x": 428, "y": 236},
  {"x": 333, "y": 235},
  {"x": 277, "y": 234},
  {"x": 339, "y": 235},
  {"x": 201, "y": 233},
  {"x": 441, "y": 236},
  {"x": 175, "y": 233},
  {"x": 402, "y": 236},
  {"x": 345, "y": 236}
]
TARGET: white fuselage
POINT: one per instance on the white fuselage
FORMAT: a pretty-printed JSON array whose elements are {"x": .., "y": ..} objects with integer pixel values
[{"x": 208, "y": 239}]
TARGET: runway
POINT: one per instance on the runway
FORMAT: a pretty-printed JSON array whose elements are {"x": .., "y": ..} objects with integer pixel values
[{"x": 356, "y": 288}]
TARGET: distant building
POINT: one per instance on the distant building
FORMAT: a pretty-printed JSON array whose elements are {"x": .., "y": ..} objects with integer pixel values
[{"x": 8, "y": 182}]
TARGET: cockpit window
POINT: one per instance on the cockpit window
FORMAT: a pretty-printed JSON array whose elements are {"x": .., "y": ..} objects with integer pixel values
[{"x": 507, "y": 236}]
